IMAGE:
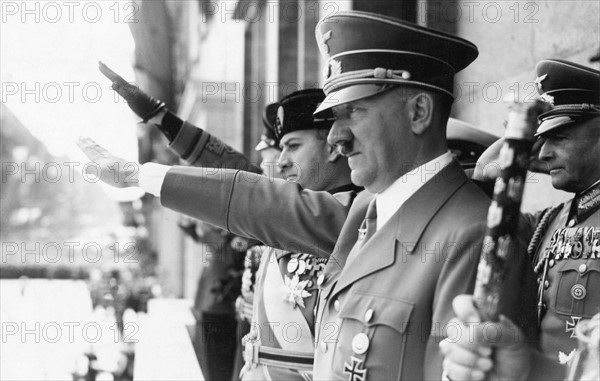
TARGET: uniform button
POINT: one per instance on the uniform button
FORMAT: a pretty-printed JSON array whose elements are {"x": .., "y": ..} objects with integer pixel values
[
  {"x": 310, "y": 283},
  {"x": 546, "y": 284},
  {"x": 368, "y": 315},
  {"x": 323, "y": 346},
  {"x": 336, "y": 305},
  {"x": 571, "y": 223},
  {"x": 551, "y": 263},
  {"x": 320, "y": 279},
  {"x": 582, "y": 268},
  {"x": 360, "y": 343}
]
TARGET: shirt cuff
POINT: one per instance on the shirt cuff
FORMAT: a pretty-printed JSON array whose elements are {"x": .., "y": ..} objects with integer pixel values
[{"x": 152, "y": 176}]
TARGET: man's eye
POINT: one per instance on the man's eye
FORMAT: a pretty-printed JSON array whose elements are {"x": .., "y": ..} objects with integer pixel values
[
  {"x": 353, "y": 110},
  {"x": 559, "y": 138}
]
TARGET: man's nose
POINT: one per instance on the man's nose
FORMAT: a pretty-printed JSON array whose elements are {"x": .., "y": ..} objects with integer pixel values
[
  {"x": 340, "y": 137},
  {"x": 546, "y": 152},
  {"x": 284, "y": 160}
]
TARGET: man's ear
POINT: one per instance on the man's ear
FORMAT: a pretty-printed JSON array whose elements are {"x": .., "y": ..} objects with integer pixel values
[{"x": 420, "y": 112}]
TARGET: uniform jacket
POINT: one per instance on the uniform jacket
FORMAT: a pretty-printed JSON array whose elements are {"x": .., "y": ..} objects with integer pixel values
[
  {"x": 219, "y": 285},
  {"x": 571, "y": 286},
  {"x": 199, "y": 148},
  {"x": 406, "y": 275},
  {"x": 279, "y": 323},
  {"x": 273, "y": 211},
  {"x": 395, "y": 297}
]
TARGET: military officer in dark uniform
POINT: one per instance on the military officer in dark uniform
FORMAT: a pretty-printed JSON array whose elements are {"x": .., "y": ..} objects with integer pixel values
[{"x": 565, "y": 246}]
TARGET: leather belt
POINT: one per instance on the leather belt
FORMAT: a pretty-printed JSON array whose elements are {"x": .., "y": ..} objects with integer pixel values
[{"x": 256, "y": 354}]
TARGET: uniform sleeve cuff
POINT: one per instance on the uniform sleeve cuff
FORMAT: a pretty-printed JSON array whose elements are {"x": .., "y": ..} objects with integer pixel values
[{"x": 152, "y": 176}]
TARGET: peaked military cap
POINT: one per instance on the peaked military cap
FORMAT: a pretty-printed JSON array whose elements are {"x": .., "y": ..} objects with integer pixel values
[
  {"x": 268, "y": 139},
  {"x": 467, "y": 142},
  {"x": 296, "y": 110},
  {"x": 573, "y": 91},
  {"x": 368, "y": 53}
]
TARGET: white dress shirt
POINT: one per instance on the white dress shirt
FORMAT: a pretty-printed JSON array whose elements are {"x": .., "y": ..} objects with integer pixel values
[
  {"x": 390, "y": 200},
  {"x": 152, "y": 176}
]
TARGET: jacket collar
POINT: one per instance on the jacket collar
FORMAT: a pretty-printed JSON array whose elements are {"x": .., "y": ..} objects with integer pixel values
[{"x": 407, "y": 225}]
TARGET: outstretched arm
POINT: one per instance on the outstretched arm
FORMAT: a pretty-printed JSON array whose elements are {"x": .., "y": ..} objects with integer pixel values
[
  {"x": 192, "y": 144},
  {"x": 272, "y": 211}
]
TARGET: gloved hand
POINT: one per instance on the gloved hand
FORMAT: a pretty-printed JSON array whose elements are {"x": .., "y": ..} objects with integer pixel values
[{"x": 138, "y": 101}]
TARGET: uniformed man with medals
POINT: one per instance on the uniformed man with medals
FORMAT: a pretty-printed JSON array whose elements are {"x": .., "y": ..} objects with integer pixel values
[
  {"x": 565, "y": 244},
  {"x": 280, "y": 344}
]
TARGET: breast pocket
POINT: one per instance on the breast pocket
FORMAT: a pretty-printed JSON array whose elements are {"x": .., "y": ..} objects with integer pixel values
[
  {"x": 578, "y": 289},
  {"x": 373, "y": 336}
]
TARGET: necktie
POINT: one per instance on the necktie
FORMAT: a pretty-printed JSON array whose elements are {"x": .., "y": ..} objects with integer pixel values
[
  {"x": 369, "y": 224},
  {"x": 366, "y": 231}
]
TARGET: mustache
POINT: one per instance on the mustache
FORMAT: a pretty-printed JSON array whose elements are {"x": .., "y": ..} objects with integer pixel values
[{"x": 344, "y": 148}]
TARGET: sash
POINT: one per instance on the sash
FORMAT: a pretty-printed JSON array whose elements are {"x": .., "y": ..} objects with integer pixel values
[{"x": 290, "y": 319}]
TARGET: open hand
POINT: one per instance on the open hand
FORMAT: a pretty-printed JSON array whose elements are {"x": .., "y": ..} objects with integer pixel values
[
  {"x": 488, "y": 164},
  {"x": 111, "y": 169},
  {"x": 145, "y": 106}
]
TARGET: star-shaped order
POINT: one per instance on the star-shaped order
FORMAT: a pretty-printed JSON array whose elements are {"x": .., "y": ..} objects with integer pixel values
[{"x": 295, "y": 291}]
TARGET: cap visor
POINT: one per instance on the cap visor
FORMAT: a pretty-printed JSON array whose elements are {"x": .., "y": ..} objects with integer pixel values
[
  {"x": 349, "y": 94},
  {"x": 261, "y": 146},
  {"x": 459, "y": 130},
  {"x": 554, "y": 123}
]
